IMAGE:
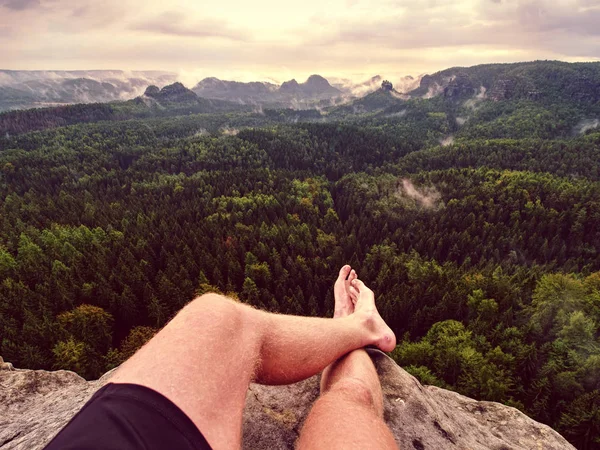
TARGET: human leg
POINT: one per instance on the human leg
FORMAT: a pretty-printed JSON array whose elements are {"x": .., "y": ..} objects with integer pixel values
[
  {"x": 205, "y": 358},
  {"x": 349, "y": 413}
]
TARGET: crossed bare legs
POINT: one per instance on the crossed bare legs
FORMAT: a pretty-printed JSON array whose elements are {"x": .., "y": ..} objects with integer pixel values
[
  {"x": 349, "y": 413},
  {"x": 206, "y": 357}
]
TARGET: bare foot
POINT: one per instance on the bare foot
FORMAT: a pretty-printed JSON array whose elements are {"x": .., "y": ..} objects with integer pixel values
[
  {"x": 344, "y": 306},
  {"x": 364, "y": 301}
]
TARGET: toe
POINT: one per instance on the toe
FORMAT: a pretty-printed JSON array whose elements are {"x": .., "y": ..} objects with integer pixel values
[
  {"x": 344, "y": 271},
  {"x": 353, "y": 294},
  {"x": 353, "y": 275}
]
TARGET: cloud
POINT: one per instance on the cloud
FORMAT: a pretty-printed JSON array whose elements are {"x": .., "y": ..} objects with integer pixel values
[
  {"x": 530, "y": 25},
  {"x": 20, "y": 5},
  {"x": 353, "y": 39},
  {"x": 6, "y": 31},
  {"x": 175, "y": 23},
  {"x": 579, "y": 17}
]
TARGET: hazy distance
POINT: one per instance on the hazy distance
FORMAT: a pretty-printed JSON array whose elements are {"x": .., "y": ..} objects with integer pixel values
[{"x": 276, "y": 41}]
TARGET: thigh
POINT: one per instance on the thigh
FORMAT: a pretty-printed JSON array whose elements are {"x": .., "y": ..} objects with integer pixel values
[
  {"x": 339, "y": 422},
  {"x": 202, "y": 361}
]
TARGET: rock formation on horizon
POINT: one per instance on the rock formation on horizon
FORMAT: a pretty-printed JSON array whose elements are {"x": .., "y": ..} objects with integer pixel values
[
  {"x": 37, "y": 404},
  {"x": 174, "y": 93},
  {"x": 314, "y": 88}
]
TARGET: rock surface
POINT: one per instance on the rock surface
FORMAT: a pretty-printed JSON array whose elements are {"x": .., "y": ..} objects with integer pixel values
[
  {"x": 37, "y": 404},
  {"x": 460, "y": 86}
]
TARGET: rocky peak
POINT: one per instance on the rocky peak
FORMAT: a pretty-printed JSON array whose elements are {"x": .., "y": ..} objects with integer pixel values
[
  {"x": 317, "y": 82},
  {"x": 151, "y": 91},
  {"x": 174, "y": 89},
  {"x": 173, "y": 93},
  {"x": 426, "y": 81},
  {"x": 210, "y": 82},
  {"x": 420, "y": 417},
  {"x": 387, "y": 85},
  {"x": 290, "y": 86}
]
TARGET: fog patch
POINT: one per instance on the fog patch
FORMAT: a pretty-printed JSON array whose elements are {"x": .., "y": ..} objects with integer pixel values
[
  {"x": 407, "y": 83},
  {"x": 474, "y": 102},
  {"x": 398, "y": 114},
  {"x": 399, "y": 96},
  {"x": 426, "y": 197},
  {"x": 448, "y": 140},
  {"x": 586, "y": 125},
  {"x": 352, "y": 89},
  {"x": 433, "y": 91},
  {"x": 340, "y": 100}
]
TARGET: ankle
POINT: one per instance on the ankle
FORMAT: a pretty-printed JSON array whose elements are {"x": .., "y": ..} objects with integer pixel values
[{"x": 375, "y": 330}]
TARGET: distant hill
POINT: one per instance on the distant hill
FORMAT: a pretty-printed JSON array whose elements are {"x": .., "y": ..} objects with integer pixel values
[
  {"x": 22, "y": 89},
  {"x": 492, "y": 100},
  {"x": 172, "y": 100},
  {"x": 569, "y": 93},
  {"x": 255, "y": 91},
  {"x": 384, "y": 98},
  {"x": 290, "y": 93},
  {"x": 350, "y": 88},
  {"x": 538, "y": 80},
  {"x": 381, "y": 98}
]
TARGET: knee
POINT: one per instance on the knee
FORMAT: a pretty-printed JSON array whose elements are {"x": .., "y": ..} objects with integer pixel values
[
  {"x": 211, "y": 299},
  {"x": 356, "y": 391},
  {"x": 214, "y": 308}
]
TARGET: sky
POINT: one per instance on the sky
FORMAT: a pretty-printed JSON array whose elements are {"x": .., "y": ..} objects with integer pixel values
[{"x": 278, "y": 40}]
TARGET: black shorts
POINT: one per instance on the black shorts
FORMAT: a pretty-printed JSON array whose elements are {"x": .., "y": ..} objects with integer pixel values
[{"x": 129, "y": 416}]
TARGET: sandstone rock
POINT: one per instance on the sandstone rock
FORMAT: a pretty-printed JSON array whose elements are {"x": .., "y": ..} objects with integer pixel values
[
  {"x": 174, "y": 93},
  {"x": 502, "y": 90},
  {"x": 460, "y": 86},
  {"x": 5, "y": 365},
  {"x": 37, "y": 404},
  {"x": 151, "y": 91},
  {"x": 387, "y": 85}
]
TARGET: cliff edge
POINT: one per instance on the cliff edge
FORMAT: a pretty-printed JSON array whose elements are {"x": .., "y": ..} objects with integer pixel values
[{"x": 36, "y": 404}]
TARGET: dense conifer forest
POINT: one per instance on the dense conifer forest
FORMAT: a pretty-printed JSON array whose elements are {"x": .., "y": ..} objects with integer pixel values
[{"x": 475, "y": 220}]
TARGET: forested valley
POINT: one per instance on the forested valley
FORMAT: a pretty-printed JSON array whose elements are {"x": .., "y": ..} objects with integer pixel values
[{"x": 476, "y": 221}]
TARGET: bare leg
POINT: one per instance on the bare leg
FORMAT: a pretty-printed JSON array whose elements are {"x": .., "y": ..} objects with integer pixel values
[
  {"x": 349, "y": 413},
  {"x": 205, "y": 358}
]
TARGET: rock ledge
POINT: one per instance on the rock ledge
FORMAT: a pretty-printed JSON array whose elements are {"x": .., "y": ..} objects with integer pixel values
[{"x": 36, "y": 404}]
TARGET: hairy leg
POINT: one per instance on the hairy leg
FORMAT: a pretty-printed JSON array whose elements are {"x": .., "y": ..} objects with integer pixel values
[
  {"x": 205, "y": 358},
  {"x": 349, "y": 413}
]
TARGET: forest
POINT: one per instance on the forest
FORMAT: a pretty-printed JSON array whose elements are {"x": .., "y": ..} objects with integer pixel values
[{"x": 482, "y": 250}]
